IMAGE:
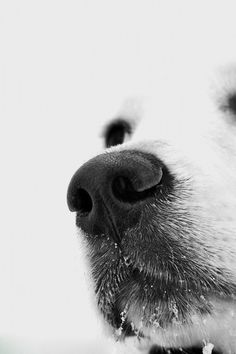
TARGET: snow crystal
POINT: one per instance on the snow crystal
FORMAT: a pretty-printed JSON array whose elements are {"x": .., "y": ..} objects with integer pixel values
[
  {"x": 123, "y": 316},
  {"x": 208, "y": 348}
]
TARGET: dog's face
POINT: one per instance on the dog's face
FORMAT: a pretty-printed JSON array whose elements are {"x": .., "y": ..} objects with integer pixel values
[{"x": 157, "y": 212}]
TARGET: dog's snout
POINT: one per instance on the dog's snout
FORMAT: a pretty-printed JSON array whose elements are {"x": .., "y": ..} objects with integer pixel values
[{"x": 110, "y": 185}]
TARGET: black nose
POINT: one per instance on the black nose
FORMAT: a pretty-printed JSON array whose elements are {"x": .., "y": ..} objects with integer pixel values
[{"x": 110, "y": 188}]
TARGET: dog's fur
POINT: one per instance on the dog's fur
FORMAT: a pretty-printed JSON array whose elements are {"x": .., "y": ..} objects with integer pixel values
[{"x": 184, "y": 245}]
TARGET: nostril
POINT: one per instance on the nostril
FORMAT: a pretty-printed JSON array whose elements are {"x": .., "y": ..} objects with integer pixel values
[
  {"x": 82, "y": 202},
  {"x": 124, "y": 190},
  {"x": 121, "y": 186}
]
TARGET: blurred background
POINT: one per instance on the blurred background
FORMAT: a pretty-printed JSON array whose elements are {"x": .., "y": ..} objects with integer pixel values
[
  {"x": 64, "y": 66},
  {"x": 45, "y": 84},
  {"x": 59, "y": 80}
]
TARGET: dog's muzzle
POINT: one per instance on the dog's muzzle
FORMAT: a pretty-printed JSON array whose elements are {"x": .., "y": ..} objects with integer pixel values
[{"x": 127, "y": 198}]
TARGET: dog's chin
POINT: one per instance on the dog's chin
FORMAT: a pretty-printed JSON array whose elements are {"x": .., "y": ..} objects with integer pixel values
[
  {"x": 138, "y": 312},
  {"x": 170, "y": 300},
  {"x": 196, "y": 332}
]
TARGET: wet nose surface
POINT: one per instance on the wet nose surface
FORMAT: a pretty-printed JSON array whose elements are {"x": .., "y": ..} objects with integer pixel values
[{"x": 112, "y": 186}]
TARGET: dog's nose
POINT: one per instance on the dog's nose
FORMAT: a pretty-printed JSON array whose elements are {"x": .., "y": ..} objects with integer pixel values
[{"x": 108, "y": 189}]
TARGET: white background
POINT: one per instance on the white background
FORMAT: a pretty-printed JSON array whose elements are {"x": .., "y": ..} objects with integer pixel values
[
  {"x": 45, "y": 136},
  {"x": 63, "y": 64}
]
